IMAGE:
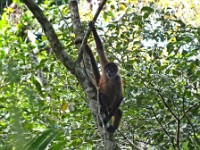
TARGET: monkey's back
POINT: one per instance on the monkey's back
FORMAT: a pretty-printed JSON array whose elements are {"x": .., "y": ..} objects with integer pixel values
[{"x": 108, "y": 88}]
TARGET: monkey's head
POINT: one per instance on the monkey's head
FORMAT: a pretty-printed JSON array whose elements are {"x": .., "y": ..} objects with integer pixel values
[{"x": 111, "y": 70}]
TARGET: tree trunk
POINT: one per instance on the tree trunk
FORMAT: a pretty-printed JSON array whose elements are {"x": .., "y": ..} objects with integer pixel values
[{"x": 75, "y": 69}]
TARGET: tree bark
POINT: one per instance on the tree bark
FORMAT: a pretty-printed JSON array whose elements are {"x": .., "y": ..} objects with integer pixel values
[{"x": 75, "y": 69}]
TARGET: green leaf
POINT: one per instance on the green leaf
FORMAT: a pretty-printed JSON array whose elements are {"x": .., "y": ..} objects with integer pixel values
[
  {"x": 105, "y": 16},
  {"x": 41, "y": 142},
  {"x": 147, "y": 10},
  {"x": 185, "y": 145}
]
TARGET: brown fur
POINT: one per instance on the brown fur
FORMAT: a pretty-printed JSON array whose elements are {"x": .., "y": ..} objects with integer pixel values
[
  {"x": 110, "y": 87},
  {"x": 109, "y": 83}
]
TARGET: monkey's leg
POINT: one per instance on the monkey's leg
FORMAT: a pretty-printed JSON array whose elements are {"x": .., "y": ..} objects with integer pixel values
[
  {"x": 117, "y": 118},
  {"x": 103, "y": 102},
  {"x": 104, "y": 106},
  {"x": 114, "y": 109}
]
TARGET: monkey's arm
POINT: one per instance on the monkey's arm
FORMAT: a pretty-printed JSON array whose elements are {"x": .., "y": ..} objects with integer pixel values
[
  {"x": 99, "y": 45},
  {"x": 93, "y": 62}
]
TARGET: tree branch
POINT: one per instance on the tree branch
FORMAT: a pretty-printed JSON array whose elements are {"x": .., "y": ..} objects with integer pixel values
[
  {"x": 185, "y": 114},
  {"x": 178, "y": 133},
  {"x": 193, "y": 129},
  {"x": 189, "y": 109},
  {"x": 164, "y": 129},
  {"x": 108, "y": 139},
  {"x": 129, "y": 141},
  {"x": 51, "y": 35},
  {"x": 87, "y": 34},
  {"x": 165, "y": 103}
]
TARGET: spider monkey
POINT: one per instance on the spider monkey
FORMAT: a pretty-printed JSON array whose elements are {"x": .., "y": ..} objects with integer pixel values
[{"x": 109, "y": 83}]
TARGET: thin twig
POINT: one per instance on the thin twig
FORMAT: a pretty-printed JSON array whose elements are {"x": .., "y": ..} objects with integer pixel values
[
  {"x": 164, "y": 129},
  {"x": 189, "y": 109},
  {"x": 193, "y": 129},
  {"x": 164, "y": 102},
  {"x": 189, "y": 122},
  {"x": 61, "y": 13},
  {"x": 129, "y": 141},
  {"x": 87, "y": 34}
]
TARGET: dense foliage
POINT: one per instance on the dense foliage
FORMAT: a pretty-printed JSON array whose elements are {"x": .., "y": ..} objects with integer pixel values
[{"x": 43, "y": 105}]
